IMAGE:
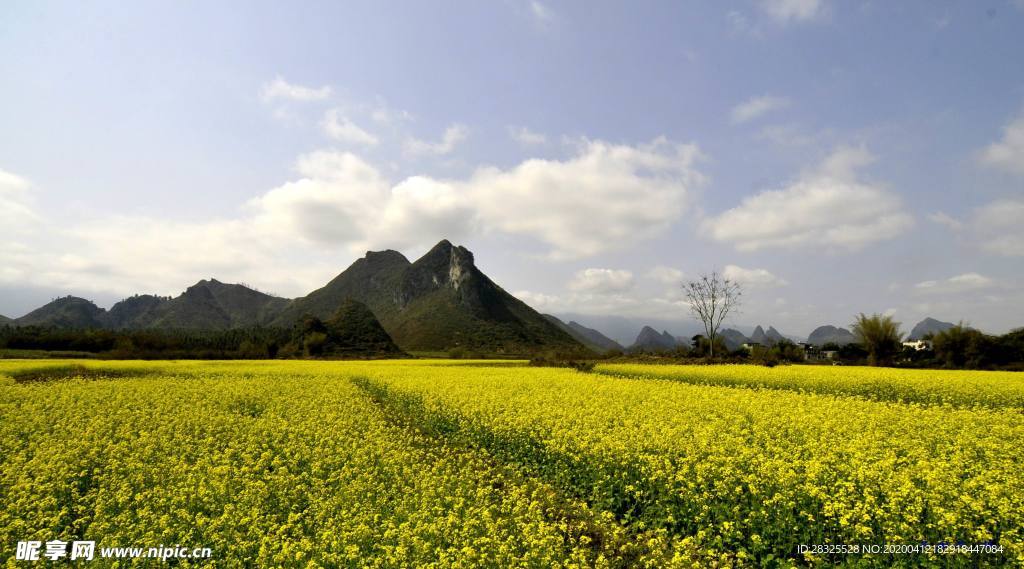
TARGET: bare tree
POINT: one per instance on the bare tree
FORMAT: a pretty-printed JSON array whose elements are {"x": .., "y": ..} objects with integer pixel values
[{"x": 712, "y": 297}]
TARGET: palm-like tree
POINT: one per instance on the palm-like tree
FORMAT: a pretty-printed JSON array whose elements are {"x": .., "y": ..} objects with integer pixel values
[{"x": 880, "y": 336}]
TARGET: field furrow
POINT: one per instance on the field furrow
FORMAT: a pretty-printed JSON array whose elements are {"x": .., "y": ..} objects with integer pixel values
[
  {"x": 754, "y": 472},
  {"x": 270, "y": 469}
]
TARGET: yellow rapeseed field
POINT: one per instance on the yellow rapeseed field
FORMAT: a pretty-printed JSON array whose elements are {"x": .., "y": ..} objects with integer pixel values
[
  {"x": 963, "y": 388},
  {"x": 434, "y": 463}
]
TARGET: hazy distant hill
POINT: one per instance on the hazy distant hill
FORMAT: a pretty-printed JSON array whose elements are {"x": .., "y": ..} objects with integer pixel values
[
  {"x": 769, "y": 338},
  {"x": 439, "y": 302},
  {"x": 623, "y": 329},
  {"x": 829, "y": 334},
  {"x": 589, "y": 337},
  {"x": 650, "y": 340},
  {"x": 5, "y": 320},
  {"x": 929, "y": 326},
  {"x": 733, "y": 339},
  {"x": 65, "y": 312}
]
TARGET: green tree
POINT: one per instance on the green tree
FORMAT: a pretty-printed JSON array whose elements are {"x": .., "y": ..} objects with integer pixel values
[
  {"x": 962, "y": 346},
  {"x": 880, "y": 336}
]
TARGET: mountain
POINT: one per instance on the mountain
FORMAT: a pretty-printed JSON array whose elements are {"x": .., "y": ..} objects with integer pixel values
[
  {"x": 929, "y": 326},
  {"x": 206, "y": 305},
  {"x": 734, "y": 339},
  {"x": 623, "y": 329},
  {"x": 758, "y": 336},
  {"x": 589, "y": 337},
  {"x": 769, "y": 338},
  {"x": 5, "y": 320},
  {"x": 353, "y": 329},
  {"x": 65, "y": 312},
  {"x": 211, "y": 304},
  {"x": 135, "y": 311},
  {"x": 436, "y": 303},
  {"x": 650, "y": 340},
  {"x": 439, "y": 302},
  {"x": 831, "y": 335}
]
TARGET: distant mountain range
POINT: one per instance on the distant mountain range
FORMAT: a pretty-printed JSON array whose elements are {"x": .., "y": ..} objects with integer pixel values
[
  {"x": 624, "y": 329},
  {"x": 589, "y": 337},
  {"x": 832, "y": 335},
  {"x": 206, "y": 305},
  {"x": 439, "y": 302}
]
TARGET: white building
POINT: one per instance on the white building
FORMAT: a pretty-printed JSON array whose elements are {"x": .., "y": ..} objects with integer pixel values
[{"x": 918, "y": 344}]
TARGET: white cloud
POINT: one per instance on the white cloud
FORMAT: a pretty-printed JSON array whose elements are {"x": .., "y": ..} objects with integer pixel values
[
  {"x": 755, "y": 107},
  {"x": 15, "y": 209},
  {"x": 608, "y": 304},
  {"x": 946, "y": 220},
  {"x": 607, "y": 197},
  {"x": 825, "y": 208},
  {"x": 666, "y": 275},
  {"x": 752, "y": 277},
  {"x": 1008, "y": 153},
  {"x": 785, "y": 11},
  {"x": 960, "y": 283},
  {"x": 342, "y": 199},
  {"x": 998, "y": 227},
  {"x": 525, "y": 136},
  {"x": 789, "y": 135},
  {"x": 453, "y": 135},
  {"x": 539, "y": 301},
  {"x": 601, "y": 281},
  {"x": 338, "y": 202},
  {"x": 540, "y": 11},
  {"x": 281, "y": 89},
  {"x": 11, "y": 182},
  {"x": 342, "y": 129},
  {"x": 386, "y": 115},
  {"x": 738, "y": 21}
]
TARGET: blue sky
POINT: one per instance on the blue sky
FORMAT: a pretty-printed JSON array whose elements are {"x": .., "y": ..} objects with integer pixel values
[{"x": 835, "y": 157}]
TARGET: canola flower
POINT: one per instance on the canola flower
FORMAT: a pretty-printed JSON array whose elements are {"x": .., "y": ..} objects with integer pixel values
[
  {"x": 755, "y": 473},
  {"x": 438, "y": 463},
  {"x": 961, "y": 388},
  {"x": 269, "y": 465}
]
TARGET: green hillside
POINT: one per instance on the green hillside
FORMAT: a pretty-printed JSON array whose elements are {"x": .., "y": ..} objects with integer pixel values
[
  {"x": 65, "y": 312},
  {"x": 440, "y": 302},
  {"x": 206, "y": 305}
]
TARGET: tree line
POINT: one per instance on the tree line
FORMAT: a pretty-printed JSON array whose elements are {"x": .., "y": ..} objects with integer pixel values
[{"x": 310, "y": 337}]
